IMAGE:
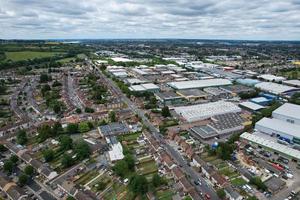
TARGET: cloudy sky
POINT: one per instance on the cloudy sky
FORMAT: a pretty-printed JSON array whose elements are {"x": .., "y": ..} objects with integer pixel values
[{"x": 203, "y": 19}]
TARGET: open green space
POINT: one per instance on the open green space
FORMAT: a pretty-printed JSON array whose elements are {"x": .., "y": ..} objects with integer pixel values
[
  {"x": 164, "y": 194},
  {"x": 86, "y": 177},
  {"x": 238, "y": 181},
  {"x": 25, "y": 55}
]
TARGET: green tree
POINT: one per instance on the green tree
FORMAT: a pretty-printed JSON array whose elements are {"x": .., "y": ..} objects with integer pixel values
[
  {"x": 130, "y": 162},
  {"x": 44, "y": 132},
  {"x": 82, "y": 150},
  {"x": 83, "y": 127},
  {"x": 57, "y": 129},
  {"x": 157, "y": 180},
  {"x": 57, "y": 107},
  {"x": 8, "y": 166},
  {"x": 65, "y": 142},
  {"x": 121, "y": 168},
  {"x": 14, "y": 159},
  {"x": 78, "y": 110},
  {"x": 29, "y": 170},
  {"x": 70, "y": 198},
  {"x": 67, "y": 161},
  {"x": 112, "y": 116},
  {"x": 23, "y": 179},
  {"x": 72, "y": 128},
  {"x": 89, "y": 110},
  {"x": 252, "y": 198},
  {"x": 22, "y": 137},
  {"x": 258, "y": 183},
  {"x": 138, "y": 185},
  {"x": 165, "y": 112},
  {"x": 221, "y": 193},
  {"x": 48, "y": 155},
  {"x": 2, "y": 148}
]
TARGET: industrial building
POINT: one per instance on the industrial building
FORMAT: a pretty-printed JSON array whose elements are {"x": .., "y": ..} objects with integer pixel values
[
  {"x": 288, "y": 112},
  {"x": 205, "y": 111},
  {"x": 113, "y": 129},
  {"x": 193, "y": 94},
  {"x": 149, "y": 87},
  {"x": 248, "y": 105},
  {"x": 263, "y": 101},
  {"x": 223, "y": 124},
  {"x": 270, "y": 77},
  {"x": 169, "y": 98},
  {"x": 284, "y": 150},
  {"x": 276, "y": 88},
  {"x": 199, "y": 83},
  {"x": 283, "y": 130},
  {"x": 285, "y": 123}
]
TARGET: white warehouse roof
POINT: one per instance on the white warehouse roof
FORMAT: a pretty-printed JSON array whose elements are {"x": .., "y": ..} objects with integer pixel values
[
  {"x": 116, "y": 152},
  {"x": 274, "y": 88},
  {"x": 271, "y": 144},
  {"x": 270, "y": 77},
  {"x": 204, "y": 111},
  {"x": 288, "y": 110},
  {"x": 251, "y": 106},
  {"x": 199, "y": 83},
  {"x": 144, "y": 87},
  {"x": 278, "y": 126},
  {"x": 292, "y": 82}
]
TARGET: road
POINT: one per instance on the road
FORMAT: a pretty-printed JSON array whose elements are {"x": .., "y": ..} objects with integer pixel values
[
  {"x": 71, "y": 93},
  {"x": 204, "y": 188}
]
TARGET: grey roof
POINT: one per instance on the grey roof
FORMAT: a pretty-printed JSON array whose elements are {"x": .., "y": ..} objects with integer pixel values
[
  {"x": 234, "y": 194},
  {"x": 274, "y": 184},
  {"x": 278, "y": 126},
  {"x": 199, "y": 83},
  {"x": 289, "y": 110},
  {"x": 116, "y": 128}
]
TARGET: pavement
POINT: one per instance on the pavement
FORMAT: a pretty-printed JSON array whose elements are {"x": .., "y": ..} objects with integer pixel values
[{"x": 204, "y": 188}]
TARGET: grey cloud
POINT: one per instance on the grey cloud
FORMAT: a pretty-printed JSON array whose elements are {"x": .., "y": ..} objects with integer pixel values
[{"x": 238, "y": 19}]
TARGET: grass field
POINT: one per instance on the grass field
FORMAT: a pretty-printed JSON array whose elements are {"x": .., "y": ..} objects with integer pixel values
[
  {"x": 25, "y": 55},
  {"x": 238, "y": 181},
  {"x": 165, "y": 195}
]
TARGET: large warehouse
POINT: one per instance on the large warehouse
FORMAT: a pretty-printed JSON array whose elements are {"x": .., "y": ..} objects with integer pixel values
[
  {"x": 207, "y": 110},
  {"x": 288, "y": 112},
  {"x": 181, "y": 85},
  {"x": 282, "y": 129},
  {"x": 276, "y": 88},
  {"x": 284, "y": 150}
]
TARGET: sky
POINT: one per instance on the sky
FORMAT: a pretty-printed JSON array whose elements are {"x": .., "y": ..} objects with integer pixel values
[{"x": 190, "y": 19}]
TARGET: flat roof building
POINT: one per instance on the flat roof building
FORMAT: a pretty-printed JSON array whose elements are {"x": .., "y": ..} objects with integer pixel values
[
  {"x": 199, "y": 83},
  {"x": 150, "y": 87},
  {"x": 275, "y": 88},
  {"x": 288, "y": 131},
  {"x": 168, "y": 98},
  {"x": 284, "y": 150},
  {"x": 207, "y": 110},
  {"x": 288, "y": 112},
  {"x": 112, "y": 129},
  {"x": 193, "y": 94},
  {"x": 270, "y": 77},
  {"x": 251, "y": 106}
]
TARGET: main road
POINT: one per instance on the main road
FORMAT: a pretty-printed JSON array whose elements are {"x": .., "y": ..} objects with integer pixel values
[{"x": 204, "y": 188}]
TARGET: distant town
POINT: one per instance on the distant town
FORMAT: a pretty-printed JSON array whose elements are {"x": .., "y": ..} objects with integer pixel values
[{"x": 161, "y": 119}]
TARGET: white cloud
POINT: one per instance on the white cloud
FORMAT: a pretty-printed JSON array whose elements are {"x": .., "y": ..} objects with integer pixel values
[{"x": 227, "y": 19}]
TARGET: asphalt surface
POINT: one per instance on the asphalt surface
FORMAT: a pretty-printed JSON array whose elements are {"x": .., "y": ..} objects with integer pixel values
[{"x": 204, "y": 188}]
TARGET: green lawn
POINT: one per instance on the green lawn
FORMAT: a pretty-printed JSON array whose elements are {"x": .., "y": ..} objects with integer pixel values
[
  {"x": 25, "y": 55},
  {"x": 228, "y": 172},
  {"x": 165, "y": 195},
  {"x": 147, "y": 167},
  {"x": 238, "y": 181},
  {"x": 129, "y": 137},
  {"x": 66, "y": 60}
]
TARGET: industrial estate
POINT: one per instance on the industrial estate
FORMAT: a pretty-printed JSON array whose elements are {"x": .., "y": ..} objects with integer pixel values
[{"x": 149, "y": 119}]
